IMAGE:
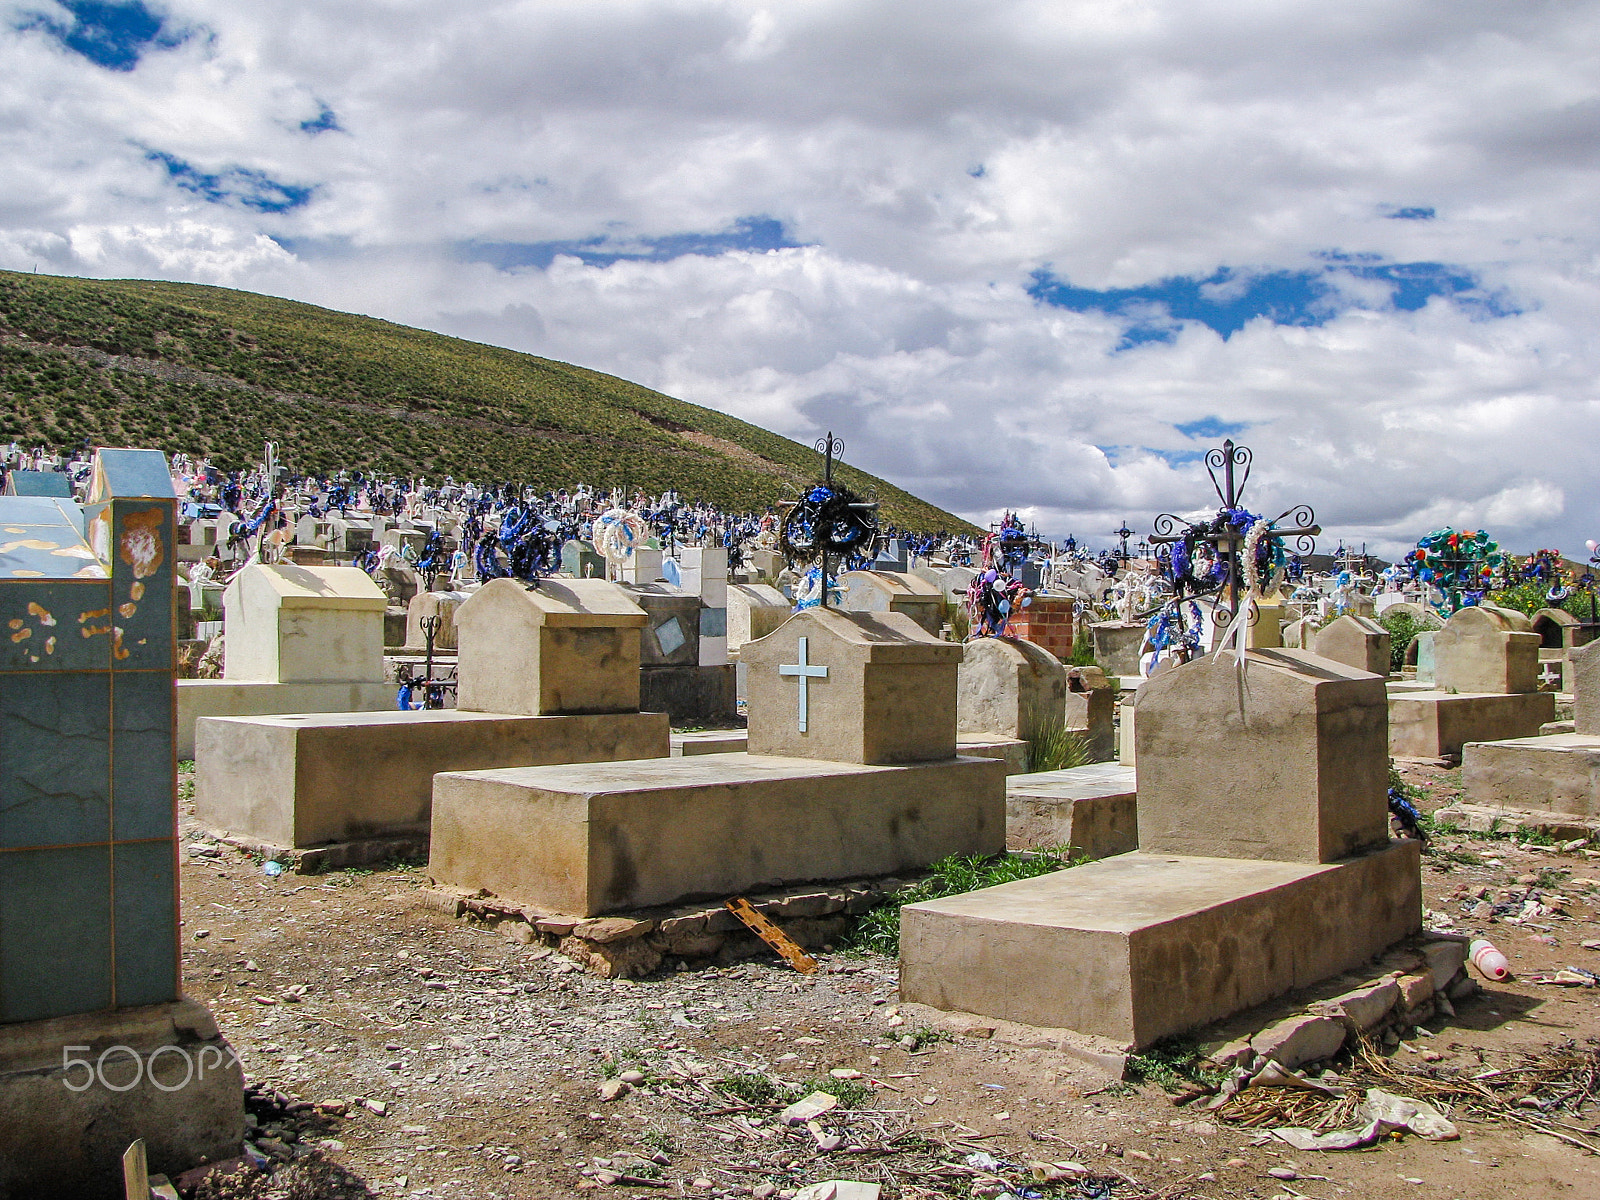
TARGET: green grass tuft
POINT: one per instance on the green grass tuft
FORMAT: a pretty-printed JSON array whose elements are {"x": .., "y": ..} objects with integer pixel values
[{"x": 878, "y": 931}]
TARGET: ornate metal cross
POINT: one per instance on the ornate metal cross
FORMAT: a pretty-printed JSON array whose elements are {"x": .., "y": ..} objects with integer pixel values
[
  {"x": 806, "y": 673},
  {"x": 1229, "y": 541}
]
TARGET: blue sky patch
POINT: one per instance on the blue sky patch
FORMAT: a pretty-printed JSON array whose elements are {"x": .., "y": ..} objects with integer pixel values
[
  {"x": 747, "y": 233},
  {"x": 1412, "y": 214},
  {"x": 323, "y": 122},
  {"x": 243, "y": 186},
  {"x": 113, "y": 34},
  {"x": 1227, "y": 300},
  {"x": 1211, "y": 428}
]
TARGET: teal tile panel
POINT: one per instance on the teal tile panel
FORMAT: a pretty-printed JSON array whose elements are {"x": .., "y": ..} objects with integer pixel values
[
  {"x": 44, "y": 540},
  {"x": 144, "y": 884},
  {"x": 43, "y": 624},
  {"x": 131, "y": 474},
  {"x": 142, "y": 767},
  {"x": 142, "y": 552},
  {"x": 55, "y": 932},
  {"x": 55, "y": 758},
  {"x": 39, "y": 483}
]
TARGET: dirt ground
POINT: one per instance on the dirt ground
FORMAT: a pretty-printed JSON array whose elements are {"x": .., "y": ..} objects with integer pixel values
[{"x": 485, "y": 1060}]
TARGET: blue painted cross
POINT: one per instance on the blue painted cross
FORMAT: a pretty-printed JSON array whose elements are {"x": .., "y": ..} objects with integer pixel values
[{"x": 806, "y": 672}]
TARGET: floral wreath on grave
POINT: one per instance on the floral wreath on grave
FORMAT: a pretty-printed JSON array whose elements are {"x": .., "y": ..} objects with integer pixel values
[
  {"x": 1457, "y": 561},
  {"x": 831, "y": 519},
  {"x": 617, "y": 534}
]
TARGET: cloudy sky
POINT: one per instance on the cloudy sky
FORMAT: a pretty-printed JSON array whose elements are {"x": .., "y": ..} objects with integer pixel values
[{"x": 1035, "y": 254}]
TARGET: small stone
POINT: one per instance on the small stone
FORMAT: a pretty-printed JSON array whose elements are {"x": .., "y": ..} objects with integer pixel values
[
  {"x": 632, "y": 1078},
  {"x": 1283, "y": 1173},
  {"x": 762, "y": 1191},
  {"x": 1139, "y": 1154},
  {"x": 614, "y": 1089},
  {"x": 845, "y": 1073},
  {"x": 376, "y": 1107},
  {"x": 1234, "y": 1164},
  {"x": 1591, "y": 944},
  {"x": 332, "y": 1108},
  {"x": 702, "y": 1184},
  {"x": 201, "y": 934},
  {"x": 1432, "y": 1056},
  {"x": 1207, "y": 1177}
]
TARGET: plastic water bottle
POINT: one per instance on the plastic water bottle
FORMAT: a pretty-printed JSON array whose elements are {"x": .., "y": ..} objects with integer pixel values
[{"x": 1490, "y": 962}]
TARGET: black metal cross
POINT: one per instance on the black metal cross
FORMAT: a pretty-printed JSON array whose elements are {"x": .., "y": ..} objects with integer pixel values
[
  {"x": 831, "y": 448},
  {"x": 1229, "y": 541},
  {"x": 1124, "y": 533}
]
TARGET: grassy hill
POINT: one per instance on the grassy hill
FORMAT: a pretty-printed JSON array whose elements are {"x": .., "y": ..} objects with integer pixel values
[{"x": 212, "y": 371}]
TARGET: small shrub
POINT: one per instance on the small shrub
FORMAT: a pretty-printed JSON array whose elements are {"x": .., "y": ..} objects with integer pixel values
[
  {"x": 757, "y": 1091},
  {"x": 1170, "y": 1064}
]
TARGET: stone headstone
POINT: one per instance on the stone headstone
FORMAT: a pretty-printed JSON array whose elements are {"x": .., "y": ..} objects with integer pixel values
[
  {"x": 1419, "y": 654},
  {"x": 566, "y": 646},
  {"x": 1091, "y": 711},
  {"x": 442, "y": 605},
  {"x": 1486, "y": 649},
  {"x": 1008, "y": 687},
  {"x": 1290, "y": 765},
  {"x": 1266, "y": 623},
  {"x": 1585, "y": 662},
  {"x": 1358, "y": 642},
  {"x": 1116, "y": 646},
  {"x": 871, "y": 688},
  {"x": 754, "y": 610},
  {"x": 289, "y": 624},
  {"x": 893, "y": 591}
]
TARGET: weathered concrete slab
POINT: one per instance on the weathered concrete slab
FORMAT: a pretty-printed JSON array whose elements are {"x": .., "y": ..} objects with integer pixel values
[
  {"x": 62, "y": 1138},
  {"x": 585, "y": 840},
  {"x": 308, "y": 779},
  {"x": 1011, "y": 751},
  {"x": 1437, "y": 724},
  {"x": 1558, "y": 775},
  {"x": 1089, "y": 810},
  {"x": 1141, "y": 946},
  {"x": 241, "y": 698},
  {"x": 710, "y": 741}
]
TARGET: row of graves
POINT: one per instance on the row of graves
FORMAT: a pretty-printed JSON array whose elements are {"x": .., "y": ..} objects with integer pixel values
[{"x": 1249, "y": 855}]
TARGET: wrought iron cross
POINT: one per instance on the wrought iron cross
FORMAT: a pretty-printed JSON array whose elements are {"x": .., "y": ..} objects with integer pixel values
[
  {"x": 1230, "y": 541},
  {"x": 806, "y": 673},
  {"x": 831, "y": 448},
  {"x": 1124, "y": 533}
]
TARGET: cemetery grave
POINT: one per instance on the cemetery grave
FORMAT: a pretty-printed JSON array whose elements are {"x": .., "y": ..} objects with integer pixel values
[{"x": 433, "y": 1054}]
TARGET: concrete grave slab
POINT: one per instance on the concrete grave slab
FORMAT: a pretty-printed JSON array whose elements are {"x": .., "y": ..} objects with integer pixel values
[
  {"x": 625, "y": 835},
  {"x": 1536, "y": 778},
  {"x": 310, "y": 779},
  {"x": 1090, "y": 810},
  {"x": 1438, "y": 724},
  {"x": 1141, "y": 946}
]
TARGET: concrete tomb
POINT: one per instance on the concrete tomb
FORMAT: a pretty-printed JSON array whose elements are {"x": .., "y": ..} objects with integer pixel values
[
  {"x": 1083, "y": 811},
  {"x": 299, "y": 639},
  {"x": 1116, "y": 646},
  {"x": 1358, "y": 642},
  {"x": 896, "y": 592},
  {"x": 1264, "y": 865},
  {"x": 1486, "y": 679},
  {"x": 1091, "y": 711},
  {"x": 1552, "y": 780},
  {"x": 1560, "y": 633},
  {"x": 89, "y": 940},
  {"x": 1009, "y": 687},
  {"x": 442, "y": 605},
  {"x": 754, "y": 610},
  {"x": 673, "y": 678},
  {"x": 851, "y": 771},
  {"x": 548, "y": 674}
]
